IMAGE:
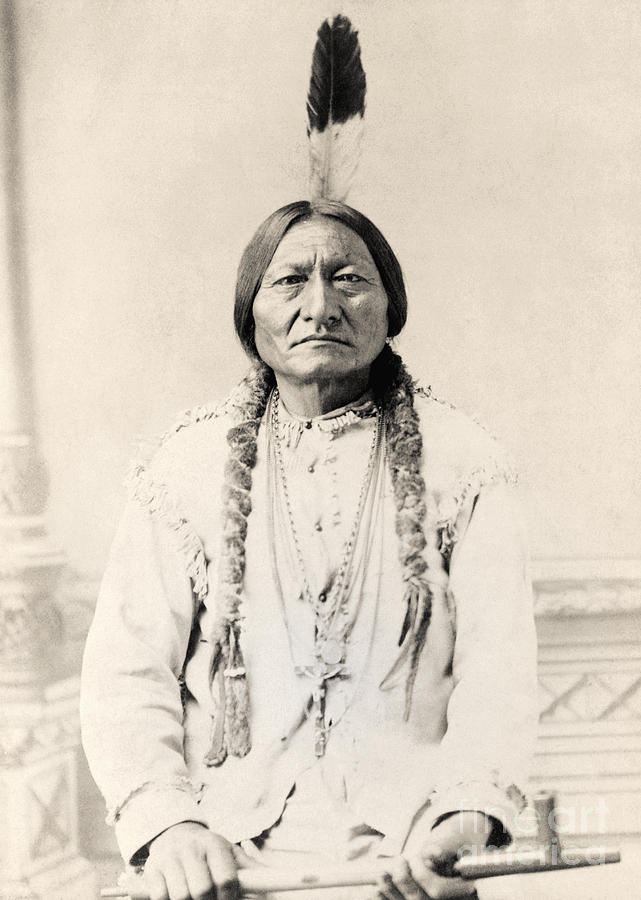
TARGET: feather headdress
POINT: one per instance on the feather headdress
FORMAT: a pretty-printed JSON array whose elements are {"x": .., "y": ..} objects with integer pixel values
[{"x": 335, "y": 108}]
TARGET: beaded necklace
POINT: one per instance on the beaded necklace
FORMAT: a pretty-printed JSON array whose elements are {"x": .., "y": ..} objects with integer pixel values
[{"x": 330, "y": 606}]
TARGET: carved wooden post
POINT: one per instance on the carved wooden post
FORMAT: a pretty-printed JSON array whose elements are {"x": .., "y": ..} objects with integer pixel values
[{"x": 38, "y": 702}]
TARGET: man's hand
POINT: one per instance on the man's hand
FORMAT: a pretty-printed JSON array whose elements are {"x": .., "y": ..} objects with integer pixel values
[
  {"x": 427, "y": 875},
  {"x": 190, "y": 862}
]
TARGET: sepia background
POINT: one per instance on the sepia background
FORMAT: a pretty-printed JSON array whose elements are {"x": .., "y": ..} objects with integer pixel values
[{"x": 143, "y": 142}]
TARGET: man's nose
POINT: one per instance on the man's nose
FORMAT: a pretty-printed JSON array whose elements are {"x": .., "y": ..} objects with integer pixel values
[{"x": 320, "y": 300}]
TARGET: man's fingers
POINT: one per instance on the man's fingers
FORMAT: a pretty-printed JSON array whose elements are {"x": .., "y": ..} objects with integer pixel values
[
  {"x": 199, "y": 877},
  {"x": 451, "y": 889},
  {"x": 155, "y": 885},
  {"x": 222, "y": 866},
  {"x": 383, "y": 893},
  {"x": 428, "y": 868},
  {"x": 189, "y": 862},
  {"x": 243, "y": 859},
  {"x": 387, "y": 890},
  {"x": 402, "y": 885},
  {"x": 174, "y": 875}
]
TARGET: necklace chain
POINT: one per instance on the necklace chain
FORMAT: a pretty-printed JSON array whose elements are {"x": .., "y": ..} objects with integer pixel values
[
  {"x": 327, "y": 612},
  {"x": 330, "y": 640}
]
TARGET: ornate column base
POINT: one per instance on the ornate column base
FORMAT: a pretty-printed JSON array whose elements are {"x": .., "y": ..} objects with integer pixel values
[
  {"x": 39, "y": 728},
  {"x": 39, "y": 855}
]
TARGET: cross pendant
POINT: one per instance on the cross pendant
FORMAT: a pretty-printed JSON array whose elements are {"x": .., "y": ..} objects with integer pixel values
[
  {"x": 320, "y": 728},
  {"x": 321, "y": 674}
]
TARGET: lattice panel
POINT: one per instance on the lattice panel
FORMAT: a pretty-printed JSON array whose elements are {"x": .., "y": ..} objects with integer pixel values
[
  {"x": 52, "y": 822},
  {"x": 590, "y": 697}
]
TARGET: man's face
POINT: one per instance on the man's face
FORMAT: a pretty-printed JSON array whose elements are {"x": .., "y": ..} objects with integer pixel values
[{"x": 321, "y": 310}]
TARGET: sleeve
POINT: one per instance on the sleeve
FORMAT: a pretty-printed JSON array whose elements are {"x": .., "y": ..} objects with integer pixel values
[
  {"x": 492, "y": 711},
  {"x": 131, "y": 708}
]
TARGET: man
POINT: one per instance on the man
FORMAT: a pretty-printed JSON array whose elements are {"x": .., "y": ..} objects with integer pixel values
[{"x": 314, "y": 638}]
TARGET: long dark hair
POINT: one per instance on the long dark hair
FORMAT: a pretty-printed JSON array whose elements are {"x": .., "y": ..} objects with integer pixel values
[{"x": 261, "y": 248}]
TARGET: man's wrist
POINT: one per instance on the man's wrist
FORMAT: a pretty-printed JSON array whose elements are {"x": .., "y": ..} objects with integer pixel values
[{"x": 189, "y": 822}]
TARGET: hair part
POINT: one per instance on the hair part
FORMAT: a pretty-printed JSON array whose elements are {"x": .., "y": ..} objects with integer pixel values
[{"x": 259, "y": 253}]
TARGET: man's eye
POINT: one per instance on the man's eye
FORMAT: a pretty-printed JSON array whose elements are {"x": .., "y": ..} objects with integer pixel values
[
  {"x": 350, "y": 277},
  {"x": 291, "y": 279}
]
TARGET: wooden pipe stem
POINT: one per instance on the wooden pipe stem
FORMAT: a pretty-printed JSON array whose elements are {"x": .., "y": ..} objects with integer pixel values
[{"x": 497, "y": 863}]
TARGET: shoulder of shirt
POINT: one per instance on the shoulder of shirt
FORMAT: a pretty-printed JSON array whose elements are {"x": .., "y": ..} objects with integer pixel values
[
  {"x": 172, "y": 474},
  {"x": 456, "y": 448},
  {"x": 194, "y": 446}
]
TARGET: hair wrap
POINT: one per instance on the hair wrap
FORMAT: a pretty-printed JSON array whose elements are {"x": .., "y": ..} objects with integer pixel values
[{"x": 231, "y": 731}]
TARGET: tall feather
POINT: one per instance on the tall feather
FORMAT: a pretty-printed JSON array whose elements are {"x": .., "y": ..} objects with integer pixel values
[{"x": 335, "y": 108}]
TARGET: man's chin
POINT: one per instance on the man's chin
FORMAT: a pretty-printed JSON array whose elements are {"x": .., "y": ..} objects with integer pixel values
[{"x": 324, "y": 370}]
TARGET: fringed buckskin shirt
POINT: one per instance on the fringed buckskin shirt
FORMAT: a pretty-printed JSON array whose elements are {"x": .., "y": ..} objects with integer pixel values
[{"x": 147, "y": 706}]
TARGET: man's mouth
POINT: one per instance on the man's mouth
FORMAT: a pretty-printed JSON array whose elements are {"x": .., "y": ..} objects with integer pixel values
[{"x": 322, "y": 338}]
